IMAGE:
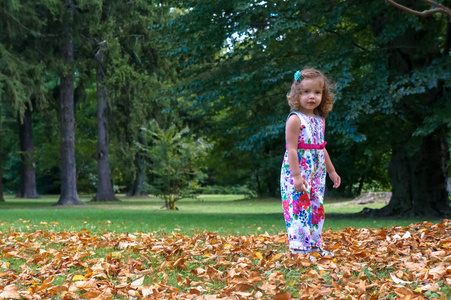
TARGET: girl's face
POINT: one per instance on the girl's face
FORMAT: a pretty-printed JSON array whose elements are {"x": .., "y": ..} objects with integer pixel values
[{"x": 311, "y": 95}]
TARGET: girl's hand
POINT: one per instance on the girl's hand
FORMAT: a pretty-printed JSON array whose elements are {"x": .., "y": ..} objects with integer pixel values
[
  {"x": 300, "y": 185},
  {"x": 335, "y": 178}
]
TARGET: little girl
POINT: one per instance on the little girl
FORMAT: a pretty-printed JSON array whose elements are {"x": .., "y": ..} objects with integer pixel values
[{"x": 303, "y": 175}]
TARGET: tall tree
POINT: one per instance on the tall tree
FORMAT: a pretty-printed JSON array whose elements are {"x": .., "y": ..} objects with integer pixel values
[
  {"x": 28, "y": 167},
  {"x": 69, "y": 195},
  {"x": 126, "y": 64},
  {"x": 2, "y": 199},
  {"x": 105, "y": 190},
  {"x": 20, "y": 30},
  {"x": 419, "y": 174},
  {"x": 134, "y": 75}
]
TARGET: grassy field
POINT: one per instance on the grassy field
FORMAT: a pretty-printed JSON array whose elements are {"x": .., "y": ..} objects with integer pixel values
[{"x": 224, "y": 214}]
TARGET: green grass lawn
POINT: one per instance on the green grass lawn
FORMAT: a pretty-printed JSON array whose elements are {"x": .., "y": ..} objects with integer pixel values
[{"x": 225, "y": 214}]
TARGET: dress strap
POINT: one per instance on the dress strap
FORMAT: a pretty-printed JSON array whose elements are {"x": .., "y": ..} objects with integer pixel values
[{"x": 294, "y": 112}]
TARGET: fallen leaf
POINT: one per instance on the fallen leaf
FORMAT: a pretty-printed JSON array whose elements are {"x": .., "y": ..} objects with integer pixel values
[
  {"x": 10, "y": 292},
  {"x": 111, "y": 265},
  {"x": 283, "y": 296},
  {"x": 242, "y": 287},
  {"x": 195, "y": 291},
  {"x": 397, "y": 280},
  {"x": 429, "y": 287},
  {"x": 403, "y": 291},
  {"x": 137, "y": 283},
  {"x": 78, "y": 277},
  {"x": 438, "y": 271}
]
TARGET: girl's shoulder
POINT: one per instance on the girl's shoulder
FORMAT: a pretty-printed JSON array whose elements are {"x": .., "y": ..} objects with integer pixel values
[
  {"x": 294, "y": 112},
  {"x": 291, "y": 114},
  {"x": 301, "y": 115},
  {"x": 297, "y": 119}
]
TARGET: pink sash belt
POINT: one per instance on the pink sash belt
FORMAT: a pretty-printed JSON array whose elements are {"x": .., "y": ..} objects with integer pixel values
[{"x": 311, "y": 146}]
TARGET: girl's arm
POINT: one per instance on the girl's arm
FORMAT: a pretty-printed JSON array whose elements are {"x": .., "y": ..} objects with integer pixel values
[
  {"x": 292, "y": 136},
  {"x": 331, "y": 170}
]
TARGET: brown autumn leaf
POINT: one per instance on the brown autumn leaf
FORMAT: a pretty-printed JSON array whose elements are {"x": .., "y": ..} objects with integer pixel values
[
  {"x": 242, "y": 287},
  {"x": 213, "y": 273},
  {"x": 91, "y": 294},
  {"x": 403, "y": 291},
  {"x": 402, "y": 262},
  {"x": 179, "y": 263},
  {"x": 283, "y": 296},
  {"x": 69, "y": 296},
  {"x": 195, "y": 291},
  {"x": 268, "y": 289},
  {"x": 437, "y": 272},
  {"x": 10, "y": 292},
  {"x": 254, "y": 277}
]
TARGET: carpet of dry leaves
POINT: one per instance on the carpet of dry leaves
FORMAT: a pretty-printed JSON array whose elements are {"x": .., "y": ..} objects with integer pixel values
[{"x": 401, "y": 262}]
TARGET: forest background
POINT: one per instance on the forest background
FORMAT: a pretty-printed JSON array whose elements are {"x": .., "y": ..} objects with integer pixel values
[{"x": 179, "y": 97}]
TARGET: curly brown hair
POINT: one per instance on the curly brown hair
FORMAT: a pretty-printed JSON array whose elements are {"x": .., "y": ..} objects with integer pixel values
[{"x": 327, "y": 100}]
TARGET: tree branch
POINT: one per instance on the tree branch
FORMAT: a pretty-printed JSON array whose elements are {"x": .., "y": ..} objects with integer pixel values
[
  {"x": 445, "y": 9},
  {"x": 18, "y": 22},
  {"x": 439, "y": 8}
]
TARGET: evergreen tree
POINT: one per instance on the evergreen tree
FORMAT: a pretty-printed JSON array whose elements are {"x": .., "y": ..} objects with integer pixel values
[
  {"x": 105, "y": 190},
  {"x": 24, "y": 87},
  {"x": 69, "y": 195},
  {"x": 129, "y": 71},
  {"x": 135, "y": 74},
  {"x": 2, "y": 199},
  {"x": 118, "y": 42}
]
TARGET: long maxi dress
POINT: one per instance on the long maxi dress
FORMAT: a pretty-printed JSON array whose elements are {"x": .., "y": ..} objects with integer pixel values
[{"x": 304, "y": 211}]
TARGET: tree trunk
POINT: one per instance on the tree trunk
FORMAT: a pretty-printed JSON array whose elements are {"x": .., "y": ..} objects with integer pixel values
[
  {"x": 138, "y": 188},
  {"x": 419, "y": 181},
  {"x": 418, "y": 177},
  {"x": 362, "y": 181},
  {"x": 27, "y": 167},
  {"x": 171, "y": 204},
  {"x": 69, "y": 194},
  {"x": 104, "y": 185},
  {"x": 2, "y": 199}
]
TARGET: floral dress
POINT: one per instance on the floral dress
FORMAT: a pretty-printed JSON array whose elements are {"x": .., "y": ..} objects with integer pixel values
[{"x": 304, "y": 211}]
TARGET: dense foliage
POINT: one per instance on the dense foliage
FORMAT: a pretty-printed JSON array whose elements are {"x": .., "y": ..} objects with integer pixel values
[
  {"x": 223, "y": 68},
  {"x": 117, "y": 37},
  {"x": 392, "y": 77}
]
